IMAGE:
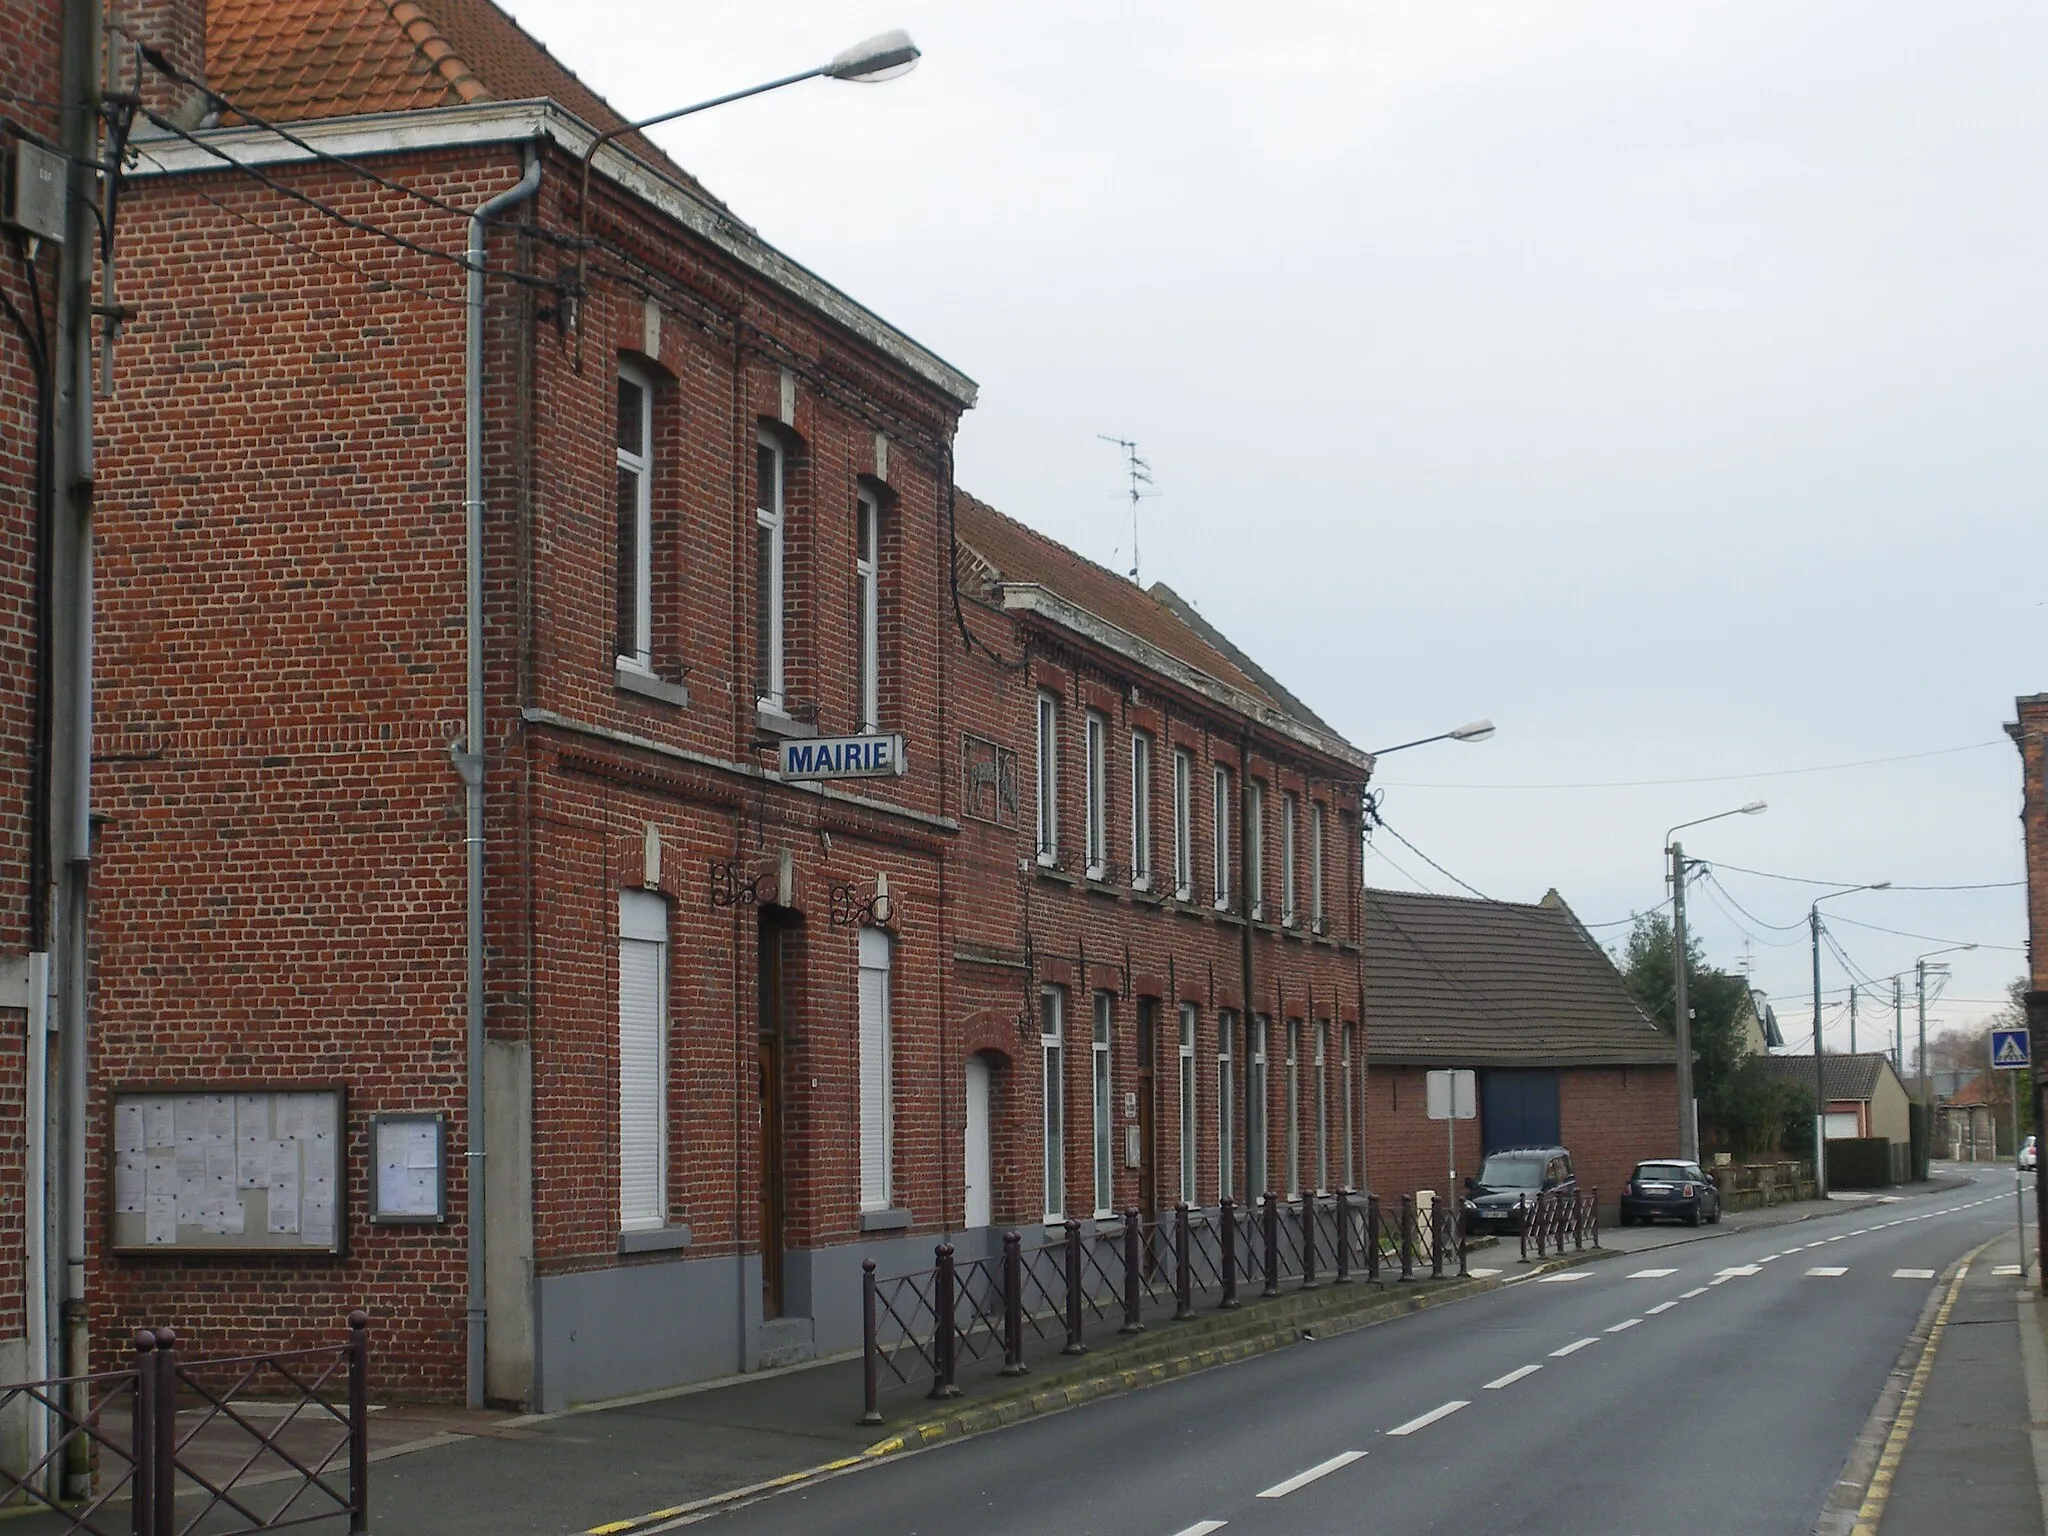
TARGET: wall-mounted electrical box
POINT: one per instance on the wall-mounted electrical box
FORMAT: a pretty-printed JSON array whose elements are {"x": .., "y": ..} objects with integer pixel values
[{"x": 35, "y": 191}]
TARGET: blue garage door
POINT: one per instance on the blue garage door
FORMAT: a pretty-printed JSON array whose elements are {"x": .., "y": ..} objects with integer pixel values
[{"x": 1518, "y": 1109}]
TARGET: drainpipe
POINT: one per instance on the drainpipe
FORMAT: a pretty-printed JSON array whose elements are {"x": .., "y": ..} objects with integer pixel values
[
  {"x": 469, "y": 760},
  {"x": 1244, "y": 902}
]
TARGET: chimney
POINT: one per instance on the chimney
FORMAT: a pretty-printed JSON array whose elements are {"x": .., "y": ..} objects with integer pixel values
[{"x": 177, "y": 30}]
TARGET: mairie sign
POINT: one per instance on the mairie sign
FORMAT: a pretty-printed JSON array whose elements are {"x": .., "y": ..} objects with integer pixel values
[
  {"x": 2009, "y": 1048},
  {"x": 844, "y": 757}
]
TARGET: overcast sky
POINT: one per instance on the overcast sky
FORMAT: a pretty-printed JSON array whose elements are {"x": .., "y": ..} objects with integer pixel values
[{"x": 1665, "y": 382}]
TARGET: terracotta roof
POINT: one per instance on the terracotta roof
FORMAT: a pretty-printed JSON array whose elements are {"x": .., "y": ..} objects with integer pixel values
[
  {"x": 998, "y": 550},
  {"x": 289, "y": 60},
  {"x": 1844, "y": 1076},
  {"x": 1451, "y": 981}
]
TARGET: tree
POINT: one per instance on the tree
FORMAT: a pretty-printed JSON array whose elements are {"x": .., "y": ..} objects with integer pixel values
[{"x": 1966, "y": 1049}]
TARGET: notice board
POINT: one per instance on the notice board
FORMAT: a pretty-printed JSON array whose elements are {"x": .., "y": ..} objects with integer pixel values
[{"x": 229, "y": 1169}]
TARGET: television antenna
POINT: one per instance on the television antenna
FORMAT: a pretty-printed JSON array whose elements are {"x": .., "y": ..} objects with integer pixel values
[{"x": 1139, "y": 473}]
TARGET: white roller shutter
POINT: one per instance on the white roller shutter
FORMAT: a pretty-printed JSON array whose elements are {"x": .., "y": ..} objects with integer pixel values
[
  {"x": 643, "y": 960},
  {"x": 875, "y": 1132}
]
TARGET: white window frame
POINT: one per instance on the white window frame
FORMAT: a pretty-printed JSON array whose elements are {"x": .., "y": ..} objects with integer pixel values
[
  {"x": 1255, "y": 848},
  {"x": 1141, "y": 811},
  {"x": 877, "y": 1070},
  {"x": 1226, "y": 1104},
  {"x": 1322, "y": 1029},
  {"x": 636, "y": 650},
  {"x": 1289, "y": 916},
  {"x": 1255, "y": 1108},
  {"x": 773, "y": 519},
  {"x": 1293, "y": 1108},
  {"x": 1102, "y": 1084},
  {"x": 1183, "y": 825},
  {"x": 1315, "y": 867},
  {"x": 1095, "y": 790},
  {"x": 1189, "y": 1109},
  {"x": 1220, "y": 787},
  {"x": 643, "y": 920},
  {"x": 1350, "y": 1179},
  {"x": 1048, "y": 778},
  {"x": 867, "y": 578},
  {"x": 1052, "y": 1010}
]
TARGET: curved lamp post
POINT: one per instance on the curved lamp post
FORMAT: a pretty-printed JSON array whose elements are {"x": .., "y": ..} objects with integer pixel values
[
  {"x": 1820, "y": 1097},
  {"x": 1688, "y": 1121},
  {"x": 1472, "y": 730}
]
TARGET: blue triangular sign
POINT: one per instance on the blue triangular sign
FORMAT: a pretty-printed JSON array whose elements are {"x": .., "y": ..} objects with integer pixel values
[{"x": 2011, "y": 1052}]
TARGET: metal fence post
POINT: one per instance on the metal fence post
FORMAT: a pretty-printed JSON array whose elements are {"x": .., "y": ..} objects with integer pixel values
[
  {"x": 358, "y": 1420},
  {"x": 1464, "y": 1261},
  {"x": 943, "y": 1340},
  {"x": 1074, "y": 1346},
  {"x": 1271, "y": 1235},
  {"x": 1372, "y": 1237},
  {"x": 1343, "y": 1235},
  {"x": 1595, "y": 1215},
  {"x": 870, "y": 1348},
  {"x": 1436, "y": 1240},
  {"x": 1013, "y": 1305},
  {"x": 142, "y": 1438},
  {"x": 1308, "y": 1243},
  {"x": 1226, "y": 1247},
  {"x": 1183, "y": 1266},
  {"x": 1522, "y": 1223},
  {"x": 1133, "y": 1257},
  {"x": 165, "y": 1412},
  {"x": 1407, "y": 1237}
]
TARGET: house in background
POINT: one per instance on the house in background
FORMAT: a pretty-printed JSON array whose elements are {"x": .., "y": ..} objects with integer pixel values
[
  {"x": 1522, "y": 994},
  {"x": 1864, "y": 1095},
  {"x": 1757, "y": 1022}
]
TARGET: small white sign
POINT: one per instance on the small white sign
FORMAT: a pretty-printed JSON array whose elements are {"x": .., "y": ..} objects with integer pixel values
[
  {"x": 1453, "y": 1095},
  {"x": 879, "y": 756}
]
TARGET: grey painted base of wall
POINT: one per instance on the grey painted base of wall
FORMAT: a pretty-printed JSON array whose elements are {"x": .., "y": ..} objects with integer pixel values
[{"x": 641, "y": 1327}]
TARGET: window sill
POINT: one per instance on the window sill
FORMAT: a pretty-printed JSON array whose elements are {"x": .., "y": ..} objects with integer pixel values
[
  {"x": 770, "y": 721},
  {"x": 654, "y": 1240},
  {"x": 1096, "y": 886},
  {"x": 1057, "y": 876},
  {"x": 630, "y": 679},
  {"x": 894, "y": 1220}
]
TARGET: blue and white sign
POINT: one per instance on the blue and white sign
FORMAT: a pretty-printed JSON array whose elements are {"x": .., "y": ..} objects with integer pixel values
[
  {"x": 878, "y": 756},
  {"x": 2009, "y": 1048}
]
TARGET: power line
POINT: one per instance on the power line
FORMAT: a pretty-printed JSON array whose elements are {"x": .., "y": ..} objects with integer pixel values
[
  {"x": 336, "y": 261},
  {"x": 1774, "y": 927},
  {"x": 1381, "y": 821},
  {"x": 1723, "y": 778},
  {"x": 1764, "y": 874},
  {"x": 1931, "y": 938}
]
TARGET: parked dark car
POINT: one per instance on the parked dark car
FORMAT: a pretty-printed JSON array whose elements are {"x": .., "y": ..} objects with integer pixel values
[
  {"x": 1509, "y": 1178},
  {"x": 1670, "y": 1187}
]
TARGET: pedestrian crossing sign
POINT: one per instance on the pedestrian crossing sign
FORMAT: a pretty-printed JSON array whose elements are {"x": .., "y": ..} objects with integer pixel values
[{"x": 2009, "y": 1048}]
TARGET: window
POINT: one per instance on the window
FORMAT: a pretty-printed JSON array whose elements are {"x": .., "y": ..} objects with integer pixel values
[
  {"x": 1222, "y": 848},
  {"x": 867, "y": 580},
  {"x": 877, "y": 1109},
  {"x": 770, "y": 515},
  {"x": 1293, "y": 1107},
  {"x": 1141, "y": 811},
  {"x": 1052, "y": 1008},
  {"x": 1226, "y": 1027},
  {"x": 1183, "y": 826},
  {"x": 1095, "y": 791},
  {"x": 1288, "y": 915},
  {"x": 643, "y": 1060},
  {"x": 636, "y": 520},
  {"x": 1255, "y": 849},
  {"x": 1048, "y": 779},
  {"x": 1322, "y": 1109},
  {"x": 1105, "y": 1110},
  {"x": 1315, "y": 868},
  {"x": 1350, "y": 1179},
  {"x": 1255, "y": 1110},
  {"x": 1187, "y": 1103}
]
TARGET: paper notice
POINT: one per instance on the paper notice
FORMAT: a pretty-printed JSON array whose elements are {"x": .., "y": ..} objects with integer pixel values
[
  {"x": 252, "y": 1116},
  {"x": 284, "y": 1211},
  {"x": 209, "y": 1217},
  {"x": 291, "y": 1115},
  {"x": 318, "y": 1228},
  {"x": 128, "y": 1128},
  {"x": 158, "y": 1127},
  {"x": 191, "y": 1116},
  {"x": 131, "y": 1181},
  {"x": 423, "y": 1146},
  {"x": 220, "y": 1160},
  {"x": 233, "y": 1218},
  {"x": 319, "y": 1147},
  {"x": 160, "y": 1177},
  {"x": 252, "y": 1162},
  {"x": 316, "y": 1111},
  {"x": 284, "y": 1186},
  {"x": 160, "y": 1220},
  {"x": 220, "y": 1117},
  {"x": 191, "y": 1161}
]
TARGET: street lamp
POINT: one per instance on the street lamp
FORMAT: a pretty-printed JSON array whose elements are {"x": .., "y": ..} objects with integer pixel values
[
  {"x": 1920, "y": 970},
  {"x": 1688, "y": 1120},
  {"x": 884, "y": 56},
  {"x": 1472, "y": 730},
  {"x": 1820, "y": 1098}
]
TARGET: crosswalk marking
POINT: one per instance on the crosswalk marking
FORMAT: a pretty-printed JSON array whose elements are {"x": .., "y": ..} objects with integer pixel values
[
  {"x": 2005, "y": 1269},
  {"x": 1202, "y": 1528},
  {"x": 1652, "y": 1274},
  {"x": 1912, "y": 1274},
  {"x": 1482, "y": 1274},
  {"x": 1827, "y": 1271},
  {"x": 1570, "y": 1274},
  {"x": 1734, "y": 1270}
]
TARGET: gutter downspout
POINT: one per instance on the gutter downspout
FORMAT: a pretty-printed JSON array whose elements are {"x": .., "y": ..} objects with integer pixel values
[
  {"x": 1244, "y": 901},
  {"x": 469, "y": 760}
]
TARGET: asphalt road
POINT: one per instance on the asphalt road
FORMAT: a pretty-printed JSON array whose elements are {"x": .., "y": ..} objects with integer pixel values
[{"x": 1713, "y": 1386}]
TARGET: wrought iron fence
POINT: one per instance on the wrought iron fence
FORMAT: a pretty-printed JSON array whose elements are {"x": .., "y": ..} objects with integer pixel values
[
  {"x": 1556, "y": 1216},
  {"x": 293, "y": 1424},
  {"x": 927, "y": 1323}
]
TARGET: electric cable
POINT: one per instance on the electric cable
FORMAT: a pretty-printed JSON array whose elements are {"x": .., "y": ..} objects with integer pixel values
[
  {"x": 1708, "y": 873},
  {"x": 1724, "y": 778},
  {"x": 343, "y": 263},
  {"x": 1764, "y": 874},
  {"x": 1931, "y": 938},
  {"x": 1384, "y": 825}
]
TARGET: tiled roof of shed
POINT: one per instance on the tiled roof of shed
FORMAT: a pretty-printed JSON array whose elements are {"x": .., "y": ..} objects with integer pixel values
[
  {"x": 1844, "y": 1076},
  {"x": 1451, "y": 981},
  {"x": 289, "y": 60}
]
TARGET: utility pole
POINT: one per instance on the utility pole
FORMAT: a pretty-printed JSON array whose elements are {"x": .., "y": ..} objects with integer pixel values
[
  {"x": 1852, "y": 1018},
  {"x": 1688, "y": 1123},
  {"x": 1920, "y": 983},
  {"x": 1898, "y": 1028},
  {"x": 1820, "y": 1095}
]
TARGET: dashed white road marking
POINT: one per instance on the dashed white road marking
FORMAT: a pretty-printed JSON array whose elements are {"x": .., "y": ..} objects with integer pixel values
[
  {"x": 1652, "y": 1274},
  {"x": 1511, "y": 1378},
  {"x": 1768, "y": 1257},
  {"x": 1202, "y": 1528},
  {"x": 1572, "y": 1348},
  {"x": 1827, "y": 1271},
  {"x": 2005, "y": 1269},
  {"x": 1838, "y": 1237},
  {"x": 1662, "y": 1306},
  {"x": 1570, "y": 1274},
  {"x": 1912, "y": 1274},
  {"x": 1430, "y": 1417},
  {"x": 1859, "y": 1231},
  {"x": 1303, "y": 1479},
  {"x": 1698, "y": 1290},
  {"x": 1624, "y": 1327}
]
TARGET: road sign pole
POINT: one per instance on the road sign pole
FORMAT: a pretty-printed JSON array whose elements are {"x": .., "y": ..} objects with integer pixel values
[
  {"x": 2012, "y": 1051},
  {"x": 2019, "y": 1195}
]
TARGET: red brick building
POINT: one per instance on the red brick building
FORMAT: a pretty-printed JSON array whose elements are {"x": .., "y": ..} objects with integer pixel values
[
  {"x": 1524, "y": 996},
  {"x": 2029, "y": 733}
]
